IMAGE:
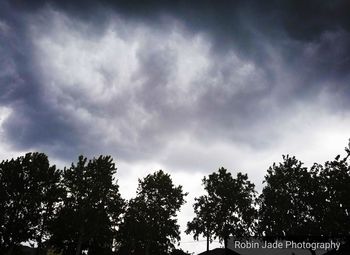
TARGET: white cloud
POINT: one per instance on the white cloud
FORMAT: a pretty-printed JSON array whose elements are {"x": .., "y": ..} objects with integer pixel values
[{"x": 6, "y": 151}]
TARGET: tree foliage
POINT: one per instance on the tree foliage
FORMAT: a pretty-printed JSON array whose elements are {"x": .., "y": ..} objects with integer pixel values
[
  {"x": 150, "y": 222},
  {"x": 288, "y": 200},
  {"x": 298, "y": 203},
  {"x": 80, "y": 208},
  {"x": 333, "y": 213},
  {"x": 91, "y": 210},
  {"x": 231, "y": 202},
  {"x": 29, "y": 193},
  {"x": 204, "y": 222}
]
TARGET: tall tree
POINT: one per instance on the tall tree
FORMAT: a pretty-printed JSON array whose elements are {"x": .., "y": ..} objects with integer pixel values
[
  {"x": 288, "y": 202},
  {"x": 16, "y": 205},
  {"x": 150, "y": 222},
  {"x": 46, "y": 191},
  {"x": 232, "y": 203},
  {"x": 29, "y": 191},
  {"x": 333, "y": 212},
  {"x": 91, "y": 210},
  {"x": 204, "y": 222}
]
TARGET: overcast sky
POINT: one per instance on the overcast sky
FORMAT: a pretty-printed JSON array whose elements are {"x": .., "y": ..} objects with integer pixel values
[{"x": 183, "y": 86}]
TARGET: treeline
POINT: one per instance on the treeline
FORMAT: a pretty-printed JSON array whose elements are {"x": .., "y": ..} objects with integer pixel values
[{"x": 79, "y": 209}]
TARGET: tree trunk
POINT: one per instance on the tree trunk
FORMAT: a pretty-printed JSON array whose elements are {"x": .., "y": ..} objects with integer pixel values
[
  {"x": 147, "y": 248},
  {"x": 225, "y": 243},
  {"x": 40, "y": 242},
  {"x": 38, "y": 249},
  {"x": 80, "y": 241},
  {"x": 207, "y": 243}
]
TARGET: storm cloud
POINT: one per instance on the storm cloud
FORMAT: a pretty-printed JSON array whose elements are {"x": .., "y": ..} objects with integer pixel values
[{"x": 129, "y": 78}]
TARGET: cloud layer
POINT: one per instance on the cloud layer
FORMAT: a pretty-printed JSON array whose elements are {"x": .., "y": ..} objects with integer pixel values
[
  {"x": 128, "y": 84},
  {"x": 161, "y": 82}
]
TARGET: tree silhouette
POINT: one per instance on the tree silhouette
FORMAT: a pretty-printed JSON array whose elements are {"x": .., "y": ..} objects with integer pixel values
[
  {"x": 150, "y": 223},
  {"x": 17, "y": 214},
  {"x": 29, "y": 192},
  {"x": 289, "y": 202},
  {"x": 231, "y": 201},
  {"x": 46, "y": 190},
  {"x": 306, "y": 205},
  {"x": 334, "y": 207},
  {"x": 91, "y": 210},
  {"x": 204, "y": 222},
  {"x": 79, "y": 209}
]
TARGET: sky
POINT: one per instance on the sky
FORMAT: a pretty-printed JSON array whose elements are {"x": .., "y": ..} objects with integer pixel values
[{"x": 183, "y": 86}]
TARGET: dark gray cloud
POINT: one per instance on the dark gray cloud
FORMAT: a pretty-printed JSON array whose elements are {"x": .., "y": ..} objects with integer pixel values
[
  {"x": 228, "y": 21},
  {"x": 34, "y": 122},
  {"x": 261, "y": 60}
]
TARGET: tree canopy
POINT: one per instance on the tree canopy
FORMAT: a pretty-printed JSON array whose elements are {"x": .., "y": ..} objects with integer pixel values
[
  {"x": 29, "y": 189},
  {"x": 80, "y": 210},
  {"x": 286, "y": 208},
  {"x": 91, "y": 210},
  {"x": 333, "y": 213},
  {"x": 231, "y": 202},
  {"x": 297, "y": 203},
  {"x": 150, "y": 222}
]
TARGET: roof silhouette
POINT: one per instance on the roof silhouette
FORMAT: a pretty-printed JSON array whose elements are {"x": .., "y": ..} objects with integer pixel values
[{"x": 219, "y": 251}]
